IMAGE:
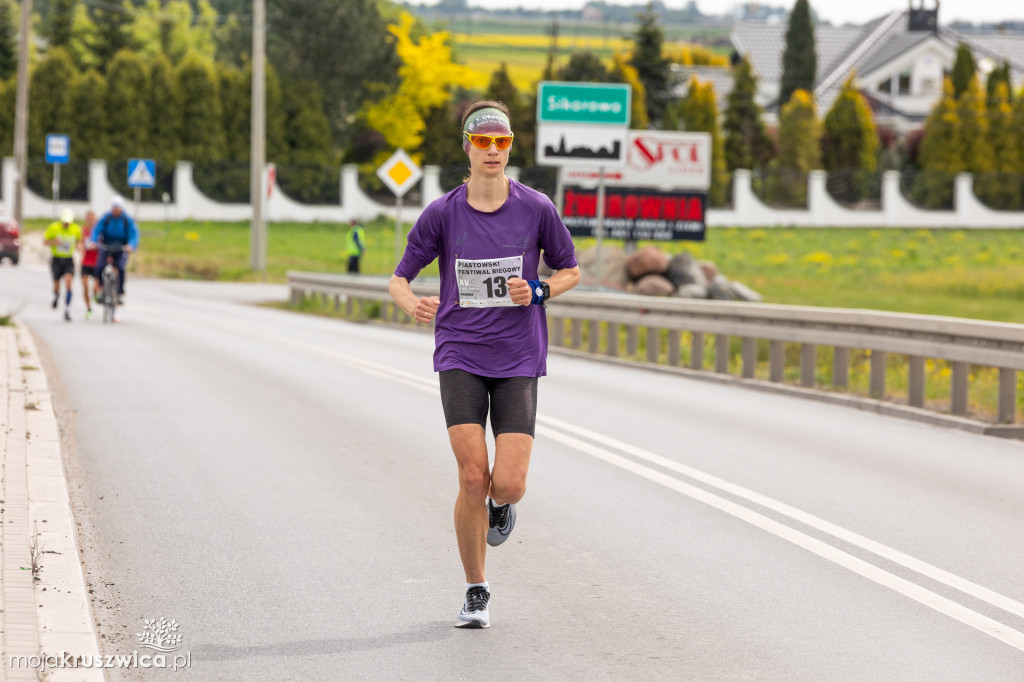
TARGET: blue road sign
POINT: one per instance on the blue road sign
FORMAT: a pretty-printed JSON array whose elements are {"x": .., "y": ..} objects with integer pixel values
[
  {"x": 58, "y": 148},
  {"x": 141, "y": 173}
]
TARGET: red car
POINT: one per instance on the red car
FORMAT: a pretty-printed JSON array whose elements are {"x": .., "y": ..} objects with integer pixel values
[{"x": 10, "y": 240}]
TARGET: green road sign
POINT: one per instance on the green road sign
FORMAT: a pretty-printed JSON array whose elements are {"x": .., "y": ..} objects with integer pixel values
[{"x": 600, "y": 103}]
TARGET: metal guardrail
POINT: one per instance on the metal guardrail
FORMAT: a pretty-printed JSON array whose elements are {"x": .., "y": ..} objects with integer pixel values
[{"x": 961, "y": 342}]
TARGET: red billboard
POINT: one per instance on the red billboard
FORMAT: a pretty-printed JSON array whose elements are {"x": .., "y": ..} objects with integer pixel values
[{"x": 636, "y": 213}]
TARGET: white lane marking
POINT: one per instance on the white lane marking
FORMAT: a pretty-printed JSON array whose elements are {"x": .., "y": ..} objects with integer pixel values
[
  {"x": 919, "y": 594},
  {"x": 939, "y": 575},
  {"x": 935, "y": 601}
]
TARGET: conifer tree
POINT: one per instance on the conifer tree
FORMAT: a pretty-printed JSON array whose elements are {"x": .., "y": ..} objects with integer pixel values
[
  {"x": 942, "y": 154},
  {"x": 308, "y": 139},
  {"x": 127, "y": 110},
  {"x": 236, "y": 105},
  {"x": 202, "y": 135},
  {"x": 799, "y": 59},
  {"x": 89, "y": 131},
  {"x": 999, "y": 76},
  {"x": 799, "y": 149},
  {"x": 49, "y": 110},
  {"x": 60, "y": 26},
  {"x": 747, "y": 144},
  {"x": 699, "y": 112},
  {"x": 850, "y": 145},
  {"x": 974, "y": 129},
  {"x": 113, "y": 23},
  {"x": 584, "y": 67},
  {"x": 9, "y": 21},
  {"x": 7, "y": 95},
  {"x": 650, "y": 63},
  {"x": 999, "y": 188},
  {"x": 623, "y": 72},
  {"x": 964, "y": 69},
  {"x": 165, "y": 107}
]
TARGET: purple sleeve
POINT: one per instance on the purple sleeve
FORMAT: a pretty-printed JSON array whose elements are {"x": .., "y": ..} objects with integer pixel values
[
  {"x": 421, "y": 246},
  {"x": 559, "y": 251}
]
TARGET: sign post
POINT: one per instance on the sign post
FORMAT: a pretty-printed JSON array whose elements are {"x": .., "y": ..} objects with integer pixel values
[
  {"x": 584, "y": 124},
  {"x": 58, "y": 151},
  {"x": 400, "y": 173},
  {"x": 141, "y": 174}
]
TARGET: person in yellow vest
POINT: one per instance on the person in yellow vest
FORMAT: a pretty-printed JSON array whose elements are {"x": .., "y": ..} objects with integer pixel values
[
  {"x": 62, "y": 237},
  {"x": 355, "y": 245}
]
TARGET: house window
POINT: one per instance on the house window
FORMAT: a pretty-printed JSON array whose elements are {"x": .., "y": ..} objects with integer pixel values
[
  {"x": 905, "y": 83},
  {"x": 885, "y": 86}
]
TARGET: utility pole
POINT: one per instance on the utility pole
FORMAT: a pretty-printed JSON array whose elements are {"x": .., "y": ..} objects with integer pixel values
[
  {"x": 21, "y": 110},
  {"x": 257, "y": 149}
]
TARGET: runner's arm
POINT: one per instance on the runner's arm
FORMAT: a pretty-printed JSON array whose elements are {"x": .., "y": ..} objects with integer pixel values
[
  {"x": 559, "y": 283},
  {"x": 421, "y": 309}
]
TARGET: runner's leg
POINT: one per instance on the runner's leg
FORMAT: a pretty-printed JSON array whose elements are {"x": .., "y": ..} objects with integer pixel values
[{"x": 470, "y": 448}]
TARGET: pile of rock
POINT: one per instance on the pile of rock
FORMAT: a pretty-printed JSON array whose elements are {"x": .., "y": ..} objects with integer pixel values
[{"x": 652, "y": 272}]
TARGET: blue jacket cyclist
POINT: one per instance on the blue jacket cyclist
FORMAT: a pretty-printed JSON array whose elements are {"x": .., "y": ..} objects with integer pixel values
[{"x": 116, "y": 229}]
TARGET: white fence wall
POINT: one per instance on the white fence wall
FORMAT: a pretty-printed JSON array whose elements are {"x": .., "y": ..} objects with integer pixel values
[{"x": 748, "y": 211}]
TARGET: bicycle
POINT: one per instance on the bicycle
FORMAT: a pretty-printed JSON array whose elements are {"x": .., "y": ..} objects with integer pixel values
[{"x": 109, "y": 282}]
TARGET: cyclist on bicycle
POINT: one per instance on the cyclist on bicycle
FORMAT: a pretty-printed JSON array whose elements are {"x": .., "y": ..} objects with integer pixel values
[{"x": 116, "y": 229}]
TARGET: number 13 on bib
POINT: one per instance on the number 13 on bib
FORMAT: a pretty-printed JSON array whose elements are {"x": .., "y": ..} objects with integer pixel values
[{"x": 484, "y": 283}]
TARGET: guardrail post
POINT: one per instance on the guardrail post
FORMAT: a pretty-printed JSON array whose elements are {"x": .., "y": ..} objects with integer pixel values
[
  {"x": 876, "y": 382},
  {"x": 841, "y": 367},
  {"x": 749, "y": 353},
  {"x": 958, "y": 388},
  {"x": 576, "y": 332},
  {"x": 808, "y": 364},
  {"x": 337, "y": 302},
  {"x": 632, "y": 342},
  {"x": 1007, "y": 396},
  {"x": 915, "y": 381},
  {"x": 558, "y": 331},
  {"x": 697, "y": 351},
  {"x": 296, "y": 296},
  {"x": 722, "y": 353},
  {"x": 674, "y": 336},
  {"x": 653, "y": 344},
  {"x": 777, "y": 361},
  {"x": 348, "y": 306},
  {"x": 593, "y": 329},
  {"x": 613, "y": 339}
]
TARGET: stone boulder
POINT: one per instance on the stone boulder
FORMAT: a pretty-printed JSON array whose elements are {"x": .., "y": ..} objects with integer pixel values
[
  {"x": 684, "y": 269},
  {"x": 744, "y": 293},
  {"x": 692, "y": 290},
  {"x": 650, "y": 260},
  {"x": 653, "y": 285},
  {"x": 613, "y": 268},
  {"x": 720, "y": 289},
  {"x": 709, "y": 268}
]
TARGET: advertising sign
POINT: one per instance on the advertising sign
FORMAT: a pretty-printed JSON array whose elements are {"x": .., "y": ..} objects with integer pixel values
[
  {"x": 636, "y": 213},
  {"x": 656, "y": 159},
  {"x": 590, "y": 146}
]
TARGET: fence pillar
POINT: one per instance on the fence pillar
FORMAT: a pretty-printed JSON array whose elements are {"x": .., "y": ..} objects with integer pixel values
[
  {"x": 915, "y": 381},
  {"x": 777, "y": 361},
  {"x": 697, "y": 351},
  {"x": 593, "y": 332},
  {"x": 958, "y": 388},
  {"x": 613, "y": 339},
  {"x": 749, "y": 353},
  {"x": 653, "y": 344},
  {"x": 876, "y": 383},
  {"x": 1007, "y": 396},
  {"x": 841, "y": 367},
  {"x": 674, "y": 336},
  {"x": 632, "y": 341},
  {"x": 558, "y": 331},
  {"x": 576, "y": 333},
  {"x": 808, "y": 364},
  {"x": 722, "y": 353}
]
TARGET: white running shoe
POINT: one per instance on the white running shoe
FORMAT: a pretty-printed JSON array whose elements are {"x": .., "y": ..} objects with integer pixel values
[
  {"x": 474, "y": 611},
  {"x": 501, "y": 521}
]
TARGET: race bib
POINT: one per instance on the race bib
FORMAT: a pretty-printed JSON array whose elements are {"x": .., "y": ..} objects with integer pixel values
[{"x": 484, "y": 283}]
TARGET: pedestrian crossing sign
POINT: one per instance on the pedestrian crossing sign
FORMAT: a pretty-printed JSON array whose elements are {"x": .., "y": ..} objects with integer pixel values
[{"x": 141, "y": 173}]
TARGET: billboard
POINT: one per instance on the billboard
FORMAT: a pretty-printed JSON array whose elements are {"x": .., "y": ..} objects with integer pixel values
[
  {"x": 656, "y": 159},
  {"x": 636, "y": 213}
]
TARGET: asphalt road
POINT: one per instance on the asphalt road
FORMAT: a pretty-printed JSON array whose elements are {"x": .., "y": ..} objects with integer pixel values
[{"x": 282, "y": 487}]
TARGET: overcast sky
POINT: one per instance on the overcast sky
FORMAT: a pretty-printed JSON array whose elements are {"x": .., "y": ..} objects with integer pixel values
[{"x": 836, "y": 11}]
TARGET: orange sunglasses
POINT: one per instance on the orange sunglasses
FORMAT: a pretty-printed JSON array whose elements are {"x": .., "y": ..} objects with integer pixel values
[{"x": 484, "y": 141}]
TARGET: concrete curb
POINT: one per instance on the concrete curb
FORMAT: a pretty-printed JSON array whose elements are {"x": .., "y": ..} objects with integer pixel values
[{"x": 37, "y": 510}]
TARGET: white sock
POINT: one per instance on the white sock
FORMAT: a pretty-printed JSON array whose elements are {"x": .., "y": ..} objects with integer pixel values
[{"x": 483, "y": 584}]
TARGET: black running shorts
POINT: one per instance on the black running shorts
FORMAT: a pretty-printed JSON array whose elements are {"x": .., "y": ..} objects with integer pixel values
[
  {"x": 512, "y": 401},
  {"x": 62, "y": 266}
]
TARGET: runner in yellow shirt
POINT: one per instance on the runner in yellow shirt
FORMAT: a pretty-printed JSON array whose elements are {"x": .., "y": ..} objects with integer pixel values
[{"x": 62, "y": 237}]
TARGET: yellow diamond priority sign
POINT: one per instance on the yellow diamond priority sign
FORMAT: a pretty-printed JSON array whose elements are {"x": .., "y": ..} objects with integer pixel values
[{"x": 399, "y": 173}]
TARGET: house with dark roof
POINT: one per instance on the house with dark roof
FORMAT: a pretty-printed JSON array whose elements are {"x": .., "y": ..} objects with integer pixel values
[{"x": 900, "y": 61}]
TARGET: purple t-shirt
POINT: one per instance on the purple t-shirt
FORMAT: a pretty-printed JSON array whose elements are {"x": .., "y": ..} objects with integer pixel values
[{"x": 489, "y": 341}]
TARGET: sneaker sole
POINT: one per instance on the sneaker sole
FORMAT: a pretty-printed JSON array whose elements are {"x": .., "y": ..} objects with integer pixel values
[{"x": 471, "y": 625}]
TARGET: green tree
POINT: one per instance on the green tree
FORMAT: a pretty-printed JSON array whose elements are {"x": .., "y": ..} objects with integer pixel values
[
  {"x": 747, "y": 144},
  {"x": 165, "y": 114},
  {"x": 175, "y": 28},
  {"x": 624, "y": 72},
  {"x": 49, "y": 110},
  {"x": 942, "y": 153},
  {"x": 1001, "y": 187},
  {"x": 309, "y": 166},
  {"x": 650, "y": 63},
  {"x": 113, "y": 22},
  {"x": 276, "y": 119},
  {"x": 974, "y": 128},
  {"x": 999, "y": 76},
  {"x": 799, "y": 59},
  {"x": 60, "y": 25},
  {"x": 89, "y": 129},
  {"x": 202, "y": 137},
  {"x": 964, "y": 69},
  {"x": 83, "y": 38},
  {"x": 799, "y": 149},
  {"x": 343, "y": 47},
  {"x": 502, "y": 89},
  {"x": 236, "y": 106},
  {"x": 850, "y": 145},
  {"x": 126, "y": 109},
  {"x": 583, "y": 67},
  {"x": 9, "y": 18},
  {"x": 699, "y": 112}
]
